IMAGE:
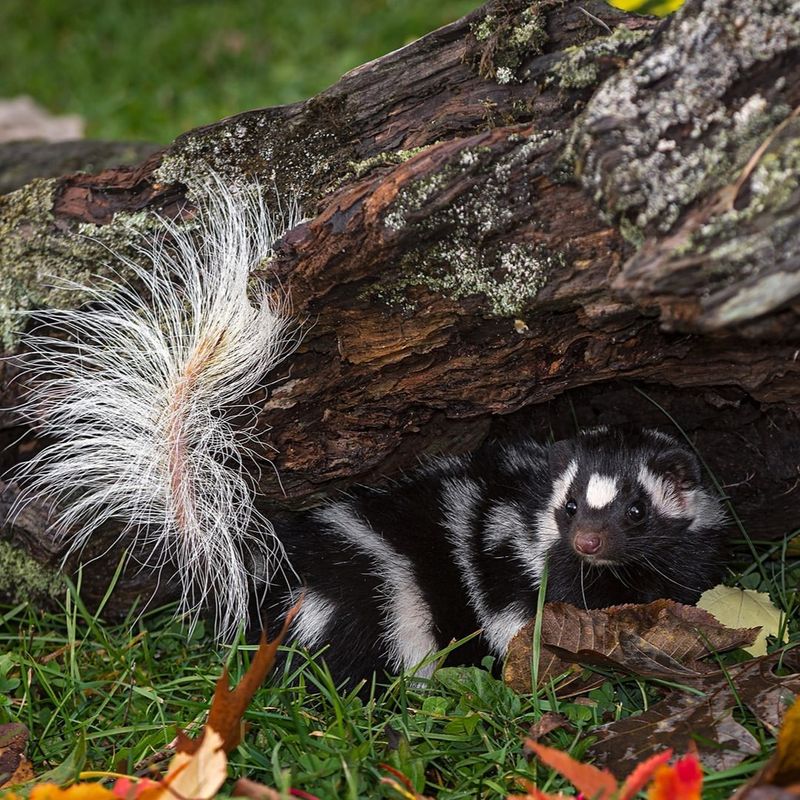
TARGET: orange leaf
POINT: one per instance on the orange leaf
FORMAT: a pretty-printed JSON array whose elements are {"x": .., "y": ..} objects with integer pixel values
[
  {"x": 787, "y": 766},
  {"x": 534, "y": 793},
  {"x": 636, "y": 781},
  {"x": 597, "y": 784},
  {"x": 78, "y": 791},
  {"x": 679, "y": 781},
  {"x": 228, "y": 705},
  {"x": 783, "y": 769}
]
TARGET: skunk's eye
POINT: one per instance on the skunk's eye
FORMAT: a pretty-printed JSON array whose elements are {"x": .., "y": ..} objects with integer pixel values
[
  {"x": 636, "y": 511},
  {"x": 571, "y": 507}
]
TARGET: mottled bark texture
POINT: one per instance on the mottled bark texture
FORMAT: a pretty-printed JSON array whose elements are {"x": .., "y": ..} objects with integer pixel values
[{"x": 544, "y": 215}]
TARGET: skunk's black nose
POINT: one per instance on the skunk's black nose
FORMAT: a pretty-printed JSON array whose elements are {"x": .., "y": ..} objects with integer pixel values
[{"x": 588, "y": 543}]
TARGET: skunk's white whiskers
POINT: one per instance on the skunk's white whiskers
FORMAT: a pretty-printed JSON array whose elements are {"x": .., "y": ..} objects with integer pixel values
[{"x": 137, "y": 388}]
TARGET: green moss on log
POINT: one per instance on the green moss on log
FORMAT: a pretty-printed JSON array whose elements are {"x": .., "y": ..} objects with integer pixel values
[
  {"x": 24, "y": 580},
  {"x": 460, "y": 251},
  {"x": 41, "y": 260},
  {"x": 579, "y": 66}
]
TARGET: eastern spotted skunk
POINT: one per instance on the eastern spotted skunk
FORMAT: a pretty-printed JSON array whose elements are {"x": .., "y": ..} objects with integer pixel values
[
  {"x": 394, "y": 574},
  {"x": 137, "y": 398}
]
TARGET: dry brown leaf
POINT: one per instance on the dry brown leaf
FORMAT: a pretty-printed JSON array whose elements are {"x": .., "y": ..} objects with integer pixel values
[
  {"x": 547, "y": 723},
  {"x": 228, "y": 705},
  {"x": 708, "y": 720},
  {"x": 661, "y": 639},
  {"x": 14, "y": 766}
]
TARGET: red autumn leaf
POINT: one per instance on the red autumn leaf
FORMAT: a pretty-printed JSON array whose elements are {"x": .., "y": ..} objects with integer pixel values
[
  {"x": 598, "y": 784},
  {"x": 682, "y": 780},
  {"x": 129, "y": 789}
]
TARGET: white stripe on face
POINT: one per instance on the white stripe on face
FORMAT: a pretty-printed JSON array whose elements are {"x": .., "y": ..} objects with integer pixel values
[
  {"x": 601, "y": 490},
  {"x": 547, "y": 527},
  {"x": 665, "y": 498}
]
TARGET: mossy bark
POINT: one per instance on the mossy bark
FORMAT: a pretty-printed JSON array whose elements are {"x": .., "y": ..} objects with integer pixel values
[{"x": 533, "y": 218}]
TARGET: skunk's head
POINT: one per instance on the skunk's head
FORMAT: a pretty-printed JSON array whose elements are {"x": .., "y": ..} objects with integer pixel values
[{"x": 635, "y": 498}]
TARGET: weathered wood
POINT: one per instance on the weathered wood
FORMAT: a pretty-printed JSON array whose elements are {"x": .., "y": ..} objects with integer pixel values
[{"x": 520, "y": 221}]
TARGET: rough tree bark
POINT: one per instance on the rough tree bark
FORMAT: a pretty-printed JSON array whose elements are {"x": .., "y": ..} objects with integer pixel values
[{"x": 545, "y": 214}]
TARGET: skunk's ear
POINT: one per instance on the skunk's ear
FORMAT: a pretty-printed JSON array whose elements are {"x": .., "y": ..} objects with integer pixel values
[
  {"x": 559, "y": 456},
  {"x": 678, "y": 466}
]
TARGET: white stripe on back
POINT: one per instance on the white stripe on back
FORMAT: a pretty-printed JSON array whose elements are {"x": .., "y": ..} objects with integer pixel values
[
  {"x": 460, "y": 498},
  {"x": 407, "y": 619},
  {"x": 312, "y": 620}
]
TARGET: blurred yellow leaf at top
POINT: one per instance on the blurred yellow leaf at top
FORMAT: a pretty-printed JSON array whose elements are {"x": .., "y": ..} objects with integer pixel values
[{"x": 658, "y": 7}]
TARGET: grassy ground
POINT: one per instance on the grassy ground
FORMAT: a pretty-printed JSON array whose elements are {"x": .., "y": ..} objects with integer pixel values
[
  {"x": 152, "y": 70},
  {"x": 67, "y": 676}
]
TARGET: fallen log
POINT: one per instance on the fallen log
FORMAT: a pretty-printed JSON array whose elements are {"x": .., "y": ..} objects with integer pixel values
[{"x": 541, "y": 216}]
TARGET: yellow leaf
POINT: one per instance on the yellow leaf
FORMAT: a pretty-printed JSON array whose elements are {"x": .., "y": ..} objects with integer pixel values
[
  {"x": 193, "y": 775},
  {"x": 78, "y": 791},
  {"x": 745, "y": 608}
]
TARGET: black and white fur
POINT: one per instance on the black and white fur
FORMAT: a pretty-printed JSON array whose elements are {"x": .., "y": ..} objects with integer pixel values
[
  {"x": 392, "y": 575},
  {"x": 135, "y": 392}
]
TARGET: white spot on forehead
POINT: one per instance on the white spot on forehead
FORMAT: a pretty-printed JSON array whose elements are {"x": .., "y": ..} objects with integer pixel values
[{"x": 601, "y": 490}]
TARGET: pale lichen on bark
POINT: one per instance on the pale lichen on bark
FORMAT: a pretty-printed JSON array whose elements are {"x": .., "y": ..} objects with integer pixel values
[
  {"x": 458, "y": 254},
  {"x": 43, "y": 264},
  {"x": 578, "y": 68},
  {"x": 690, "y": 151},
  {"x": 636, "y": 161}
]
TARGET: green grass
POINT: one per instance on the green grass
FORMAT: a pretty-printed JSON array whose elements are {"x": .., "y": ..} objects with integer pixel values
[
  {"x": 126, "y": 689},
  {"x": 152, "y": 70}
]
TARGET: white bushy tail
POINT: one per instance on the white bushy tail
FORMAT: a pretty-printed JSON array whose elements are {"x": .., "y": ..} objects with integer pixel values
[{"x": 138, "y": 395}]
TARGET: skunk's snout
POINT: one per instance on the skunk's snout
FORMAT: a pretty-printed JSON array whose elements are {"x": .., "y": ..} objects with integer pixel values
[{"x": 588, "y": 543}]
